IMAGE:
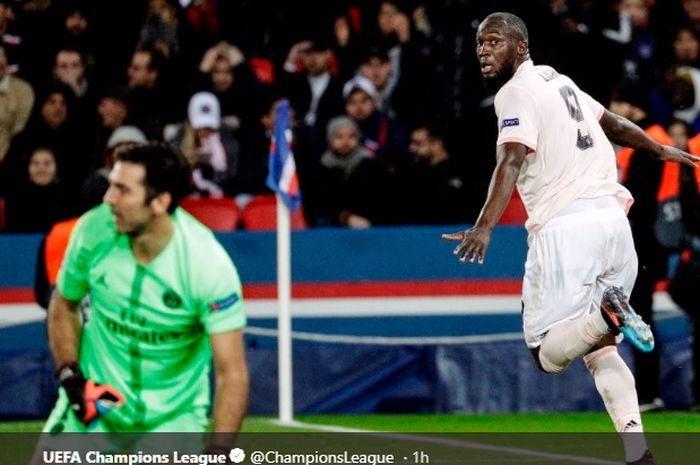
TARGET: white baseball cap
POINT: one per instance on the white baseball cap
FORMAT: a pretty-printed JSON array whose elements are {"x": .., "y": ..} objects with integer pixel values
[
  {"x": 204, "y": 111},
  {"x": 359, "y": 83}
]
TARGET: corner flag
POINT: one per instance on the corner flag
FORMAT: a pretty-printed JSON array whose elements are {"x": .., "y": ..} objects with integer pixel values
[{"x": 282, "y": 176}]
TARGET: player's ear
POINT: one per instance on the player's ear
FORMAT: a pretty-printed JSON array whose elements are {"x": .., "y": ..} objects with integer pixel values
[
  {"x": 523, "y": 48},
  {"x": 161, "y": 203}
]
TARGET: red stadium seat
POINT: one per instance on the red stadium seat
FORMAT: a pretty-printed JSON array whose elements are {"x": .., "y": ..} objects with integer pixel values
[
  {"x": 261, "y": 215},
  {"x": 217, "y": 214},
  {"x": 515, "y": 213},
  {"x": 263, "y": 69}
]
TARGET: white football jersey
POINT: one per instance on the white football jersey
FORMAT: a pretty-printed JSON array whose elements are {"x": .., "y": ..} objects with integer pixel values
[{"x": 569, "y": 155}]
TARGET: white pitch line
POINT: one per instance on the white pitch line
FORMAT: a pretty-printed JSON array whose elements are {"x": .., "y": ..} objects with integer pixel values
[
  {"x": 387, "y": 340},
  {"x": 448, "y": 442}
]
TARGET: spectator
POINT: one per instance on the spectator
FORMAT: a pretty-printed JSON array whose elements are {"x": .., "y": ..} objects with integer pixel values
[
  {"x": 10, "y": 39},
  {"x": 39, "y": 200},
  {"x": 113, "y": 112},
  {"x": 74, "y": 27},
  {"x": 161, "y": 27},
  {"x": 348, "y": 42},
  {"x": 377, "y": 68},
  {"x": 676, "y": 69},
  {"x": 16, "y": 100},
  {"x": 642, "y": 44},
  {"x": 691, "y": 8},
  {"x": 98, "y": 181},
  {"x": 677, "y": 96},
  {"x": 382, "y": 135},
  {"x": 678, "y": 47},
  {"x": 123, "y": 135},
  {"x": 211, "y": 148},
  {"x": 255, "y": 137},
  {"x": 69, "y": 68},
  {"x": 52, "y": 125},
  {"x": 411, "y": 62},
  {"x": 151, "y": 107},
  {"x": 589, "y": 35},
  {"x": 686, "y": 47},
  {"x": 431, "y": 191},
  {"x": 225, "y": 72},
  {"x": 313, "y": 92},
  {"x": 686, "y": 96},
  {"x": 351, "y": 186},
  {"x": 642, "y": 175},
  {"x": 167, "y": 30},
  {"x": 69, "y": 27}
]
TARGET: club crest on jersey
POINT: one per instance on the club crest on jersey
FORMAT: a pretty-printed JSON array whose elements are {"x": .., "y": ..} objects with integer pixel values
[
  {"x": 171, "y": 299},
  {"x": 223, "y": 304},
  {"x": 510, "y": 122}
]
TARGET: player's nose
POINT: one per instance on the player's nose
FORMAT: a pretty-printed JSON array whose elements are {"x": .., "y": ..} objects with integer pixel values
[{"x": 109, "y": 196}]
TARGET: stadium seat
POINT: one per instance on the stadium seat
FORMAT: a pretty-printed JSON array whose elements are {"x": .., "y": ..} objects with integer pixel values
[
  {"x": 2, "y": 214},
  {"x": 515, "y": 213},
  {"x": 261, "y": 215},
  {"x": 263, "y": 69},
  {"x": 217, "y": 214}
]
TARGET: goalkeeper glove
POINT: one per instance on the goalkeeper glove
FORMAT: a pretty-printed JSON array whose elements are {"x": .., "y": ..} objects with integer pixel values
[{"x": 88, "y": 399}]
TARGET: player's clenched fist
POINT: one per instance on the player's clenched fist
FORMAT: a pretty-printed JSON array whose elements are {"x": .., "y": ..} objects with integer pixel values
[{"x": 88, "y": 399}]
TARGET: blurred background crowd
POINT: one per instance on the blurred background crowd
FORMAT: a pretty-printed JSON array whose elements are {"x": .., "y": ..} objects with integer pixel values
[{"x": 392, "y": 122}]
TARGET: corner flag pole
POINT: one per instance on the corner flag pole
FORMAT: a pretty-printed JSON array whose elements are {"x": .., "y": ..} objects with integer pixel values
[
  {"x": 282, "y": 179},
  {"x": 284, "y": 319}
]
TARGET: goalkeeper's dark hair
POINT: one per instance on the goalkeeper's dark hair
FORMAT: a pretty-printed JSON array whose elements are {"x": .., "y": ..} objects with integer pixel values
[
  {"x": 512, "y": 25},
  {"x": 167, "y": 170}
]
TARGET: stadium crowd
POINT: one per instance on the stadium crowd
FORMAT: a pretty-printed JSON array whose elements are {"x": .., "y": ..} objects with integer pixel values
[
  {"x": 79, "y": 78},
  {"x": 392, "y": 122}
]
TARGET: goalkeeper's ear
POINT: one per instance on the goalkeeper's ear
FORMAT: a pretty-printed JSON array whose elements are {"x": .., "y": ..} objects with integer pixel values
[{"x": 160, "y": 204}]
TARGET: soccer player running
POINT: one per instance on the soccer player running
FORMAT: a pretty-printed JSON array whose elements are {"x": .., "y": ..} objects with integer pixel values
[
  {"x": 165, "y": 299},
  {"x": 554, "y": 144}
]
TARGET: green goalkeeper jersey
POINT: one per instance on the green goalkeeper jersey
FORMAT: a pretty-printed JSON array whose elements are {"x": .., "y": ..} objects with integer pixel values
[{"x": 148, "y": 331}]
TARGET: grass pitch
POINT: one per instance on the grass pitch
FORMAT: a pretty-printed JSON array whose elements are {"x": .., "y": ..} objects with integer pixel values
[
  {"x": 663, "y": 422},
  {"x": 502, "y": 440}
]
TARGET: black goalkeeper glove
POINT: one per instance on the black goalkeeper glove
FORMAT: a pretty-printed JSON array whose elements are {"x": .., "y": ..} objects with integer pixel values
[{"x": 88, "y": 399}]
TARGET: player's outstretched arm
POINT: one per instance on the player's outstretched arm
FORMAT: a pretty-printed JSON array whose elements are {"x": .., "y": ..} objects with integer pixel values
[
  {"x": 623, "y": 132},
  {"x": 474, "y": 242},
  {"x": 231, "y": 397}
]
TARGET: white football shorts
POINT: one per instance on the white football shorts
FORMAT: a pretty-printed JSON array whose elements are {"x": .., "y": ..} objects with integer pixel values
[{"x": 571, "y": 260}]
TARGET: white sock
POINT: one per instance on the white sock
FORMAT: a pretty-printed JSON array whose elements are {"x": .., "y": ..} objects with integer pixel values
[
  {"x": 615, "y": 383},
  {"x": 571, "y": 339}
]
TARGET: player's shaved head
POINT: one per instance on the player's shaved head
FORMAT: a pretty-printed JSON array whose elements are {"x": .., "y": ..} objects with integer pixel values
[
  {"x": 501, "y": 46},
  {"x": 509, "y": 24}
]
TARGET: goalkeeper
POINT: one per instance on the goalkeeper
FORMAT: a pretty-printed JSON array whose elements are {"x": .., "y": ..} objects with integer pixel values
[{"x": 165, "y": 300}]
